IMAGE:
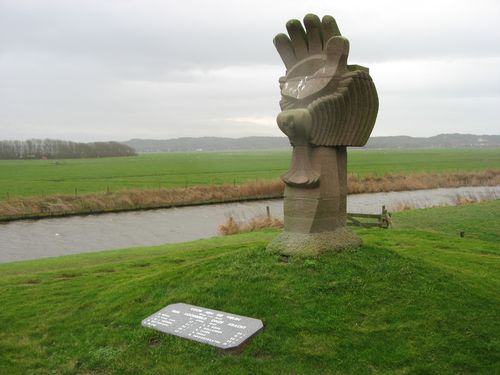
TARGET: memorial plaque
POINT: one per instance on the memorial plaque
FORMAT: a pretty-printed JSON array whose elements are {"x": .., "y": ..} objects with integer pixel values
[{"x": 217, "y": 328}]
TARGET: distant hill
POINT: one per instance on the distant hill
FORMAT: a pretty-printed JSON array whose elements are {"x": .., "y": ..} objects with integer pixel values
[
  {"x": 437, "y": 141},
  {"x": 266, "y": 143}
]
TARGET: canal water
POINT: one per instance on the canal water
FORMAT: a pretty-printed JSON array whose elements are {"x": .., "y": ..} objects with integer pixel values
[{"x": 32, "y": 239}]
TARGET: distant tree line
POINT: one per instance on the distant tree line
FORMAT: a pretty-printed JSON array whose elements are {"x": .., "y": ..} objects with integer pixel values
[{"x": 57, "y": 149}]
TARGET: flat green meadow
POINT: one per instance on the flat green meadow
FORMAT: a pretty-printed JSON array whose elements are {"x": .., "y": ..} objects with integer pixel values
[
  {"x": 70, "y": 176},
  {"x": 415, "y": 299}
]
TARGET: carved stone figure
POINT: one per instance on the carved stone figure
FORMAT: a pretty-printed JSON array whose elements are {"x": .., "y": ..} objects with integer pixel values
[{"x": 326, "y": 105}]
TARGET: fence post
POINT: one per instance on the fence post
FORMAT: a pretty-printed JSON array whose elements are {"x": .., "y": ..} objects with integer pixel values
[{"x": 385, "y": 218}]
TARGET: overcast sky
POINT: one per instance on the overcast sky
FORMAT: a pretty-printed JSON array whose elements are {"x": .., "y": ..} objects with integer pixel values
[{"x": 112, "y": 70}]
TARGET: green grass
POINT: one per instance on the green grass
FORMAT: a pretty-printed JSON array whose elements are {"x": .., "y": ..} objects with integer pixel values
[
  {"x": 47, "y": 177},
  {"x": 365, "y": 162},
  {"x": 416, "y": 299}
]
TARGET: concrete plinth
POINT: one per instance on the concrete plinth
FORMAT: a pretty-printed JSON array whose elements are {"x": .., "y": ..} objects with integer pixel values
[{"x": 313, "y": 244}]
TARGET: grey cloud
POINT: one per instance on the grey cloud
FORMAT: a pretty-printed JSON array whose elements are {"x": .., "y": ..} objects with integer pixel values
[
  {"x": 175, "y": 35},
  {"x": 116, "y": 69}
]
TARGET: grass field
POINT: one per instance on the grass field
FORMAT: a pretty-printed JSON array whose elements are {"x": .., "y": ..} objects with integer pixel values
[
  {"x": 47, "y": 177},
  {"x": 416, "y": 299}
]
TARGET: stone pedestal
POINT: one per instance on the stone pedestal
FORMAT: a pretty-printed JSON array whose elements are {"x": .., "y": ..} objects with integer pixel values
[{"x": 315, "y": 217}]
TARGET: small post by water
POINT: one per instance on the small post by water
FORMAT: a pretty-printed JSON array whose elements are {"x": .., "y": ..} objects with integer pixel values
[{"x": 268, "y": 212}]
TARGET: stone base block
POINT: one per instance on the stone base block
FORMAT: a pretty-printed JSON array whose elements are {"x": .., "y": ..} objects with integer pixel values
[{"x": 313, "y": 244}]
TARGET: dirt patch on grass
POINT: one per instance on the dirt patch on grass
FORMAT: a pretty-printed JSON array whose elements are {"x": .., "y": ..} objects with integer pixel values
[
  {"x": 31, "y": 282},
  {"x": 140, "y": 265},
  {"x": 154, "y": 342},
  {"x": 104, "y": 270},
  {"x": 67, "y": 276}
]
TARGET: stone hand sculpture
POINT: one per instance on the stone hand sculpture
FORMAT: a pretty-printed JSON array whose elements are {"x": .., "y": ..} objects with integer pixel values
[{"x": 326, "y": 105}]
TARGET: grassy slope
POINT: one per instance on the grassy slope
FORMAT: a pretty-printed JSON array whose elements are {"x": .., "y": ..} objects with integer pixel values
[
  {"x": 45, "y": 177},
  {"x": 410, "y": 301}
]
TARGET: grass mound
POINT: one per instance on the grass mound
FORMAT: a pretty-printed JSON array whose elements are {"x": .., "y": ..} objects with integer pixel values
[{"x": 417, "y": 299}]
